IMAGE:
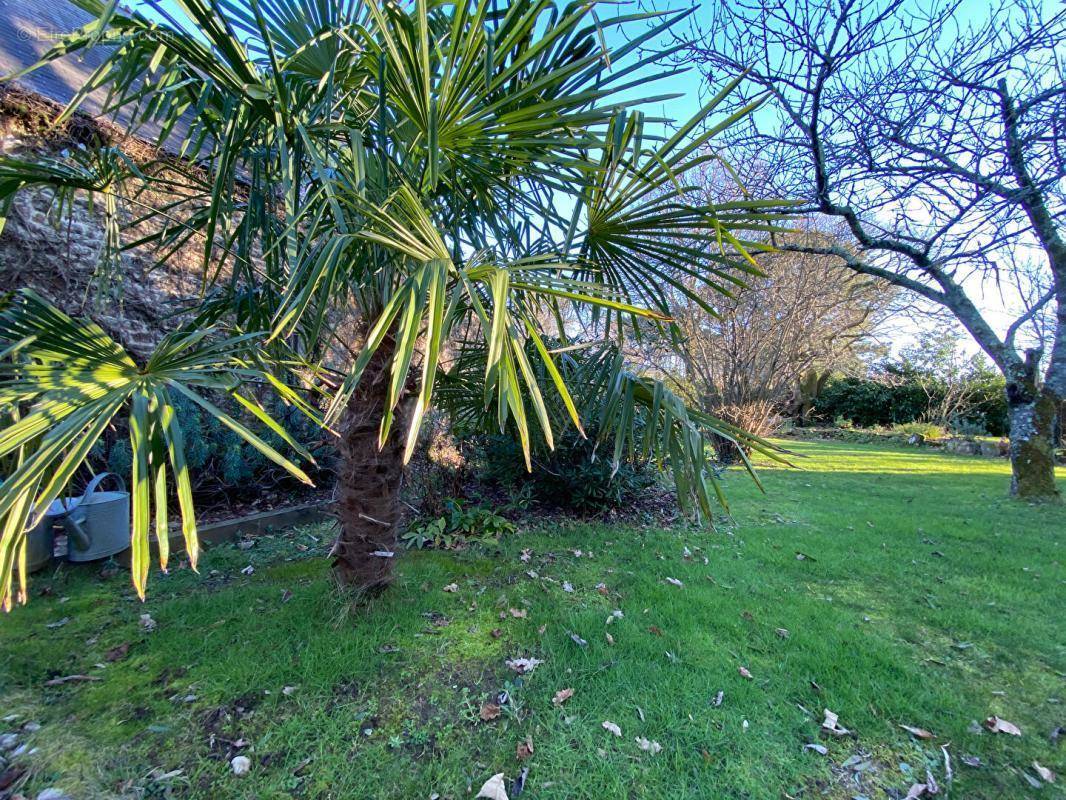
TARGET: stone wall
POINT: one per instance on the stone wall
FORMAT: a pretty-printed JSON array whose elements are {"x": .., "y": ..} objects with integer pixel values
[{"x": 60, "y": 255}]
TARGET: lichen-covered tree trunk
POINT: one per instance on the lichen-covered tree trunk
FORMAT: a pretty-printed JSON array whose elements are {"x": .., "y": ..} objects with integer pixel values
[
  {"x": 368, "y": 483},
  {"x": 1032, "y": 411}
]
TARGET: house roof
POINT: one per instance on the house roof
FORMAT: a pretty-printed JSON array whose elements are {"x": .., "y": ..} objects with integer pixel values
[{"x": 30, "y": 28}]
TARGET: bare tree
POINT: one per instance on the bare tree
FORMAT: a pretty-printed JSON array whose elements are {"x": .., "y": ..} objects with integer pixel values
[
  {"x": 804, "y": 314},
  {"x": 940, "y": 145}
]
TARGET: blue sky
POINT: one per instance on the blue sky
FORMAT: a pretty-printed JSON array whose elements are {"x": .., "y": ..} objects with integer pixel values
[{"x": 693, "y": 93}]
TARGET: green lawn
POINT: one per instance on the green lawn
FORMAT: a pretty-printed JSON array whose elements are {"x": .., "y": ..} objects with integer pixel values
[{"x": 923, "y": 597}]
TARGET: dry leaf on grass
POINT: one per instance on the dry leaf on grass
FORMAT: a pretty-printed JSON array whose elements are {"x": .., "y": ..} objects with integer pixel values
[
  {"x": 526, "y": 555},
  {"x": 451, "y": 587},
  {"x": 518, "y": 613},
  {"x": 997, "y": 725},
  {"x": 524, "y": 749},
  {"x": 493, "y": 788},
  {"x": 117, "y": 653},
  {"x": 917, "y": 790},
  {"x": 71, "y": 679},
  {"x": 489, "y": 712},
  {"x": 921, "y": 733},
  {"x": 578, "y": 640},
  {"x": 1044, "y": 773},
  {"x": 610, "y": 639},
  {"x": 568, "y": 587},
  {"x": 524, "y": 665},
  {"x": 610, "y": 727},
  {"x": 820, "y": 749},
  {"x": 832, "y": 726},
  {"x": 744, "y": 673},
  {"x": 675, "y": 582},
  {"x": 648, "y": 746},
  {"x": 782, "y": 632},
  {"x": 562, "y": 696},
  {"x": 616, "y": 614}
]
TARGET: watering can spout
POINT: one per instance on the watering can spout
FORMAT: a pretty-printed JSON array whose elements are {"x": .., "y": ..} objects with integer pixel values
[{"x": 76, "y": 533}]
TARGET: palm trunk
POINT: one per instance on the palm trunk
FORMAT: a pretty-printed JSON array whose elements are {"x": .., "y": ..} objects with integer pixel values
[
  {"x": 368, "y": 484},
  {"x": 1032, "y": 411}
]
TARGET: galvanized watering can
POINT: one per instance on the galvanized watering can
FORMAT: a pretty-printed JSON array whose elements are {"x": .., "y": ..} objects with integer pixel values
[
  {"x": 40, "y": 539},
  {"x": 97, "y": 523}
]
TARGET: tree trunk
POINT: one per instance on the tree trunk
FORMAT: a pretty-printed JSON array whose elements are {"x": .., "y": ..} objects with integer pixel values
[
  {"x": 368, "y": 484},
  {"x": 1032, "y": 411}
]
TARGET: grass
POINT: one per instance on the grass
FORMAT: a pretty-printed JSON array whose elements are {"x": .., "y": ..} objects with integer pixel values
[{"x": 923, "y": 597}]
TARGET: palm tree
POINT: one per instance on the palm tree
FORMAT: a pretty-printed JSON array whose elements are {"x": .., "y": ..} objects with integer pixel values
[{"x": 460, "y": 178}]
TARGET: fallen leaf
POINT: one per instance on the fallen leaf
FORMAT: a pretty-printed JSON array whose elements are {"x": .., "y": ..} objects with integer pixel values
[
  {"x": 675, "y": 582},
  {"x": 451, "y": 587},
  {"x": 616, "y": 614},
  {"x": 248, "y": 570},
  {"x": 917, "y": 790},
  {"x": 562, "y": 696},
  {"x": 610, "y": 639},
  {"x": 524, "y": 665},
  {"x": 744, "y": 673},
  {"x": 782, "y": 632},
  {"x": 496, "y": 633},
  {"x": 997, "y": 725},
  {"x": 526, "y": 555},
  {"x": 610, "y": 727},
  {"x": 921, "y": 733},
  {"x": 567, "y": 586},
  {"x": 489, "y": 712},
  {"x": 1044, "y": 773},
  {"x": 971, "y": 761},
  {"x": 286, "y": 596},
  {"x": 524, "y": 749},
  {"x": 148, "y": 623},
  {"x": 493, "y": 788},
  {"x": 578, "y": 640},
  {"x": 648, "y": 746},
  {"x": 288, "y": 691},
  {"x": 241, "y": 765},
  {"x": 718, "y": 698},
  {"x": 602, "y": 589},
  {"x": 820, "y": 749},
  {"x": 118, "y": 652},
  {"x": 655, "y": 629},
  {"x": 518, "y": 613},
  {"x": 71, "y": 679},
  {"x": 831, "y": 725},
  {"x": 59, "y": 623}
]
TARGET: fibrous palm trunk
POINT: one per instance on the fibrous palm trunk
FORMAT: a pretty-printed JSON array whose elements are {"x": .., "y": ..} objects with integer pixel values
[{"x": 368, "y": 483}]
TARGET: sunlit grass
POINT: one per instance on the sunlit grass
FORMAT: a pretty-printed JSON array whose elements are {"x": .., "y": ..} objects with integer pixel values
[{"x": 924, "y": 597}]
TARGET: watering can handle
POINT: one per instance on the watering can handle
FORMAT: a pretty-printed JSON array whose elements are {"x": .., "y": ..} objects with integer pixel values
[{"x": 100, "y": 478}]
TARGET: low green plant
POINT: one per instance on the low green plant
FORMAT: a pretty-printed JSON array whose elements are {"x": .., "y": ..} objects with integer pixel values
[
  {"x": 927, "y": 430},
  {"x": 458, "y": 527},
  {"x": 843, "y": 422}
]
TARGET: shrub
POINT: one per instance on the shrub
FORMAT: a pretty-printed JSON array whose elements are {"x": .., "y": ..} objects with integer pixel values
[
  {"x": 926, "y": 430},
  {"x": 576, "y": 476},
  {"x": 896, "y": 398},
  {"x": 222, "y": 464},
  {"x": 459, "y": 526}
]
